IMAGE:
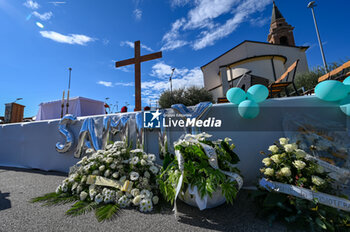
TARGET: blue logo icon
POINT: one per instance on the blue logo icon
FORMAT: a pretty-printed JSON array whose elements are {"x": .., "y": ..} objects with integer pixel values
[{"x": 151, "y": 119}]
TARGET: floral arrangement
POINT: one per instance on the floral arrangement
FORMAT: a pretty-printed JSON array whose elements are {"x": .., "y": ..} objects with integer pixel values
[
  {"x": 197, "y": 169},
  {"x": 287, "y": 164},
  {"x": 107, "y": 180}
]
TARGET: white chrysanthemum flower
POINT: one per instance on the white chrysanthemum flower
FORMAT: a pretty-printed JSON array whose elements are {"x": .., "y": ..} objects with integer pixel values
[
  {"x": 143, "y": 162},
  {"x": 269, "y": 172},
  {"x": 155, "y": 200},
  {"x": 145, "y": 156},
  {"x": 107, "y": 173},
  {"x": 109, "y": 146},
  {"x": 109, "y": 160},
  {"x": 113, "y": 166},
  {"x": 146, "y": 205},
  {"x": 83, "y": 195},
  {"x": 285, "y": 171},
  {"x": 153, "y": 169},
  {"x": 92, "y": 193},
  {"x": 115, "y": 175},
  {"x": 137, "y": 200},
  {"x": 74, "y": 186},
  {"x": 95, "y": 172},
  {"x": 123, "y": 202},
  {"x": 151, "y": 157},
  {"x": 123, "y": 151},
  {"x": 83, "y": 179},
  {"x": 284, "y": 141},
  {"x": 135, "y": 160},
  {"x": 134, "y": 176},
  {"x": 108, "y": 199},
  {"x": 317, "y": 180},
  {"x": 146, "y": 194},
  {"x": 266, "y": 161},
  {"x": 289, "y": 147},
  {"x": 299, "y": 164},
  {"x": 273, "y": 149},
  {"x": 135, "y": 192},
  {"x": 64, "y": 187},
  {"x": 122, "y": 179},
  {"x": 276, "y": 159},
  {"x": 58, "y": 189},
  {"x": 99, "y": 198},
  {"x": 147, "y": 174}
]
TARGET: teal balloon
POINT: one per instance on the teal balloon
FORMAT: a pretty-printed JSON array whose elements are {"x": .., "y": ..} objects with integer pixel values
[
  {"x": 345, "y": 105},
  {"x": 331, "y": 90},
  {"x": 236, "y": 95},
  {"x": 347, "y": 81},
  {"x": 248, "y": 109},
  {"x": 258, "y": 93}
]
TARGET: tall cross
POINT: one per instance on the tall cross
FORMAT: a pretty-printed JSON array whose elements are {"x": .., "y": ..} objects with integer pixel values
[{"x": 137, "y": 61}]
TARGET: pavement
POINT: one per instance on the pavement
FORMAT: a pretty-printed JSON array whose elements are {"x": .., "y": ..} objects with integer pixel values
[{"x": 18, "y": 186}]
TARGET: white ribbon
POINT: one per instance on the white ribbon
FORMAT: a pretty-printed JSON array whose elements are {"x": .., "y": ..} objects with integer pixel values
[
  {"x": 323, "y": 198},
  {"x": 180, "y": 161},
  {"x": 335, "y": 172}
]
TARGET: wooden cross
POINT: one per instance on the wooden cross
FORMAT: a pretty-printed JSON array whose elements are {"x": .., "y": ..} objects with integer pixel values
[{"x": 137, "y": 61}]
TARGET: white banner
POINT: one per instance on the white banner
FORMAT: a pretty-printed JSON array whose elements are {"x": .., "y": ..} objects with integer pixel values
[{"x": 323, "y": 198}]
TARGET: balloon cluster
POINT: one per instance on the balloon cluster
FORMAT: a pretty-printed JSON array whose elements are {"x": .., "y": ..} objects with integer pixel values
[
  {"x": 332, "y": 90},
  {"x": 248, "y": 101}
]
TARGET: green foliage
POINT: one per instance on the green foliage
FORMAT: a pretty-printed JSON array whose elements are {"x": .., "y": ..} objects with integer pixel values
[
  {"x": 55, "y": 198},
  {"x": 106, "y": 211},
  {"x": 299, "y": 213},
  {"x": 289, "y": 165},
  {"x": 198, "y": 172},
  {"x": 309, "y": 80},
  {"x": 189, "y": 97},
  {"x": 102, "y": 211},
  {"x": 81, "y": 207}
]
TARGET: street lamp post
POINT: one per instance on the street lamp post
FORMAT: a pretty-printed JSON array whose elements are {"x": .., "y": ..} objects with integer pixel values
[
  {"x": 311, "y": 5},
  {"x": 171, "y": 85},
  {"x": 70, "y": 71}
]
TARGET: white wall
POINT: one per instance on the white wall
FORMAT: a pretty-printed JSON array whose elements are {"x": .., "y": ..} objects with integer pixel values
[{"x": 32, "y": 145}]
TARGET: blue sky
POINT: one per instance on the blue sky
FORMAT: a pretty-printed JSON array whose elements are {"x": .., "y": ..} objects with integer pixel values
[{"x": 40, "y": 39}]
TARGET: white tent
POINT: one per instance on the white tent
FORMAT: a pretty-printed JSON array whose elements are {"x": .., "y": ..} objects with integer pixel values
[{"x": 78, "y": 106}]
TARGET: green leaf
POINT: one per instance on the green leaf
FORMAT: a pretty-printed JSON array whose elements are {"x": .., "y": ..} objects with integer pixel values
[
  {"x": 234, "y": 156},
  {"x": 81, "y": 207},
  {"x": 55, "y": 198},
  {"x": 273, "y": 198},
  {"x": 106, "y": 212},
  {"x": 320, "y": 223}
]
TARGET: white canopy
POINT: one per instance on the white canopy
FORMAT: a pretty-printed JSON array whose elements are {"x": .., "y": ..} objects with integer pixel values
[{"x": 78, "y": 106}]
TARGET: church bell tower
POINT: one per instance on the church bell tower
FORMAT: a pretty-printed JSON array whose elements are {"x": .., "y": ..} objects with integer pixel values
[{"x": 280, "y": 31}]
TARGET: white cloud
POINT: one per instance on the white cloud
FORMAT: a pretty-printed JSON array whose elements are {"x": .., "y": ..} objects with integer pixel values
[
  {"x": 69, "y": 39},
  {"x": 182, "y": 78},
  {"x": 201, "y": 19},
  {"x": 45, "y": 16},
  {"x": 137, "y": 14},
  {"x": 105, "y": 83},
  {"x": 125, "y": 84},
  {"x": 131, "y": 45},
  {"x": 179, "y": 3},
  {"x": 57, "y": 3},
  {"x": 259, "y": 22},
  {"x": 31, "y": 4}
]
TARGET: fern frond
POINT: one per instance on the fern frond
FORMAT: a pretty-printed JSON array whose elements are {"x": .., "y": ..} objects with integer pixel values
[
  {"x": 106, "y": 211},
  {"x": 81, "y": 207}
]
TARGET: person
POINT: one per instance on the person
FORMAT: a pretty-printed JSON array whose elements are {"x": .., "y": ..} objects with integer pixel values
[
  {"x": 147, "y": 108},
  {"x": 124, "y": 109}
]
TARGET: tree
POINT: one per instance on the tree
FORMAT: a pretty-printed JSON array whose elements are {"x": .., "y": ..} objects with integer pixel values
[{"x": 189, "y": 97}]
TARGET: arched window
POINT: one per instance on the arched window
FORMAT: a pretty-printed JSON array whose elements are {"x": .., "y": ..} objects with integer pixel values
[{"x": 284, "y": 40}]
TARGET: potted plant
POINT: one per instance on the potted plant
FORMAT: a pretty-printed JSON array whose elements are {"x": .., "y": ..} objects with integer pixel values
[{"x": 202, "y": 172}]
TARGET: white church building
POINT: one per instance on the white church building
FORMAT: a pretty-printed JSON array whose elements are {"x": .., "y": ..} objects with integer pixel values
[{"x": 252, "y": 62}]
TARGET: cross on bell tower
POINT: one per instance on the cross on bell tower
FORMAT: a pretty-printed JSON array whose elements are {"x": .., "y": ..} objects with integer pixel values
[{"x": 280, "y": 31}]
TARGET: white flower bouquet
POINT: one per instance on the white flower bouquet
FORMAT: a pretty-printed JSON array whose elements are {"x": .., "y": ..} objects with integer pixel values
[
  {"x": 297, "y": 189},
  {"x": 108, "y": 180},
  {"x": 202, "y": 172}
]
